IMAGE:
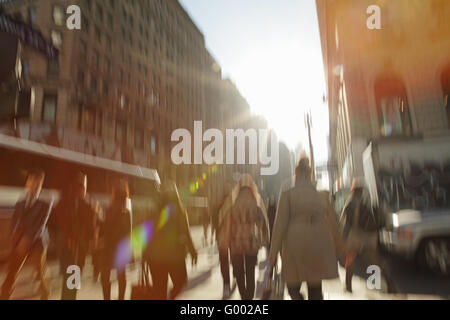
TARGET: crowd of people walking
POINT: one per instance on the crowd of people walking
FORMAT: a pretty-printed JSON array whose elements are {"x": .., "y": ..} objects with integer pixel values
[{"x": 301, "y": 227}]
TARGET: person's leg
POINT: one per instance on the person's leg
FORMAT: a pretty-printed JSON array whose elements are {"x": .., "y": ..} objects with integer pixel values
[
  {"x": 315, "y": 291},
  {"x": 160, "y": 276},
  {"x": 250, "y": 264},
  {"x": 205, "y": 232},
  {"x": 38, "y": 258},
  {"x": 106, "y": 284},
  {"x": 238, "y": 272},
  {"x": 178, "y": 274},
  {"x": 349, "y": 270},
  {"x": 224, "y": 266},
  {"x": 122, "y": 278},
  {"x": 294, "y": 292},
  {"x": 16, "y": 261},
  {"x": 67, "y": 259}
]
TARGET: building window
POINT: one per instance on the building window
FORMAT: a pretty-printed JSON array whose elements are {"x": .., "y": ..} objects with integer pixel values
[
  {"x": 49, "y": 108},
  {"x": 81, "y": 77},
  {"x": 98, "y": 34},
  {"x": 94, "y": 84},
  {"x": 95, "y": 59},
  {"x": 86, "y": 25},
  {"x": 59, "y": 15},
  {"x": 121, "y": 132},
  {"x": 31, "y": 15},
  {"x": 25, "y": 68},
  {"x": 89, "y": 121},
  {"x": 108, "y": 43},
  {"x": 99, "y": 12},
  {"x": 445, "y": 82},
  {"x": 393, "y": 107},
  {"x": 105, "y": 87},
  {"x": 99, "y": 124},
  {"x": 89, "y": 4},
  {"x": 107, "y": 66},
  {"x": 53, "y": 68},
  {"x": 83, "y": 48},
  {"x": 110, "y": 21},
  {"x": 139, "y": 139},
  {"x": 56, "y": 37},
  {"x": 153, "y": 145}
]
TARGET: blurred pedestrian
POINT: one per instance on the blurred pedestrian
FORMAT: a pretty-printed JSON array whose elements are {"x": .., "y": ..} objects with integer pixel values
[
  {"x": 307, "y": 235},
  {"x": 166, "y": 253},
  {"x": 271, "y": 212},
  {"x": 360, "y": 230},
  {"x": 29, "y": 236},
  {"x": 73, "y": 221},
  {"x": 116, "y": 231},
  {"x": 247, "y": 230},
  {"x": 219, "y": 226},
  {"x": 206, "y": 221}
]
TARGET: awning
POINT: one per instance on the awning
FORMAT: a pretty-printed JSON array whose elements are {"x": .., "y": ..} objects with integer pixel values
[{"x": 20, "y": 144}]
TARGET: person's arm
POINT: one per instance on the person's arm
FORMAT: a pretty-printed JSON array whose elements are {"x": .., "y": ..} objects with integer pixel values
[
  {"x": 16, "y": 228},
  {"x": 186, "y": 235},
  {"x": 346, "y": 219},
  {"x": 280, "y": 227},
  {"x": 339, "y": 242},
  {"x": 264, "y": 225},
  {"x": 47, "y": 207}
]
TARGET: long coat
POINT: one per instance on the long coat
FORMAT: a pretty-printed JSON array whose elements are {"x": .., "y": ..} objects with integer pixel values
[{"x": 307, "y": 235}]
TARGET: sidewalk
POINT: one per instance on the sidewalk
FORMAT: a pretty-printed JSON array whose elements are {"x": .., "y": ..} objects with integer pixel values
[{"x": 204, "y": 281}]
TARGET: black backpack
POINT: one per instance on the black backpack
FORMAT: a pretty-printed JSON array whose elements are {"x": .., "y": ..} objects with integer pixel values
[{"x": 367, "y": 220}]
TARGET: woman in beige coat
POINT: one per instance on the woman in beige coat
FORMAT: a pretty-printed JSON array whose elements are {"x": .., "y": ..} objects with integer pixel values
[{"x": 307, "y": 235}]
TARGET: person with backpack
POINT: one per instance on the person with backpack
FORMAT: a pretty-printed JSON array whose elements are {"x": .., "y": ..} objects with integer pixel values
[
  {"x": 360, "y": 230},
  {"x": 245, "y": 231},
  {"x": 218, "y": 219},
  {"x": 166, "y": 253}
]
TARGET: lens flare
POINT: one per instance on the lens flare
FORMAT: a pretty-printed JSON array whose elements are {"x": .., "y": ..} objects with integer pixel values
[
  {"x": 165, "y": 216},
  {"x": 123, "y": 255},
  {"x": 141, "y": 236}
]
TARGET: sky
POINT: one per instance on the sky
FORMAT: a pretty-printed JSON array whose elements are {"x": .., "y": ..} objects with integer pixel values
[{"x": 271, "y": 51}]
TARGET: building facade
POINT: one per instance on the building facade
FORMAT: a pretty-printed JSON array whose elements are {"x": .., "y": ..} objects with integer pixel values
[
  {"x": 391, "y": 82},
  {"x": 136, "y": 71}
]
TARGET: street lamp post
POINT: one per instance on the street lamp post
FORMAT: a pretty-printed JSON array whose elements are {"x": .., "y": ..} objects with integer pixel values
[{"x": 308, "y": 123}]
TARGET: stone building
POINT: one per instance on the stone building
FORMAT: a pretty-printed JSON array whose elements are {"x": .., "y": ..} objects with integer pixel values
[{"x": 388, "y": 82}]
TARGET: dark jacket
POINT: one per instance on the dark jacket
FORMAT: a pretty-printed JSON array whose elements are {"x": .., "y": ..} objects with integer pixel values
[
  {"x": 366, "y": 221},
  {"x": 171, "y": 239},
  {"x": 116, "y": 229},
  {"x": 73, "y": 222},
  {"x": 31, "y": 222},
  {"x": 271, "y": 212}
]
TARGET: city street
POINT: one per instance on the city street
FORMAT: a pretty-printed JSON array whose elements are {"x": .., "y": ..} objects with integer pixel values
[{"x": 205, "y": 281}]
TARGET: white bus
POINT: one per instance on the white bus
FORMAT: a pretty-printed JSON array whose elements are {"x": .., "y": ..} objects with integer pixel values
[{"x": 18, "y": 156}]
